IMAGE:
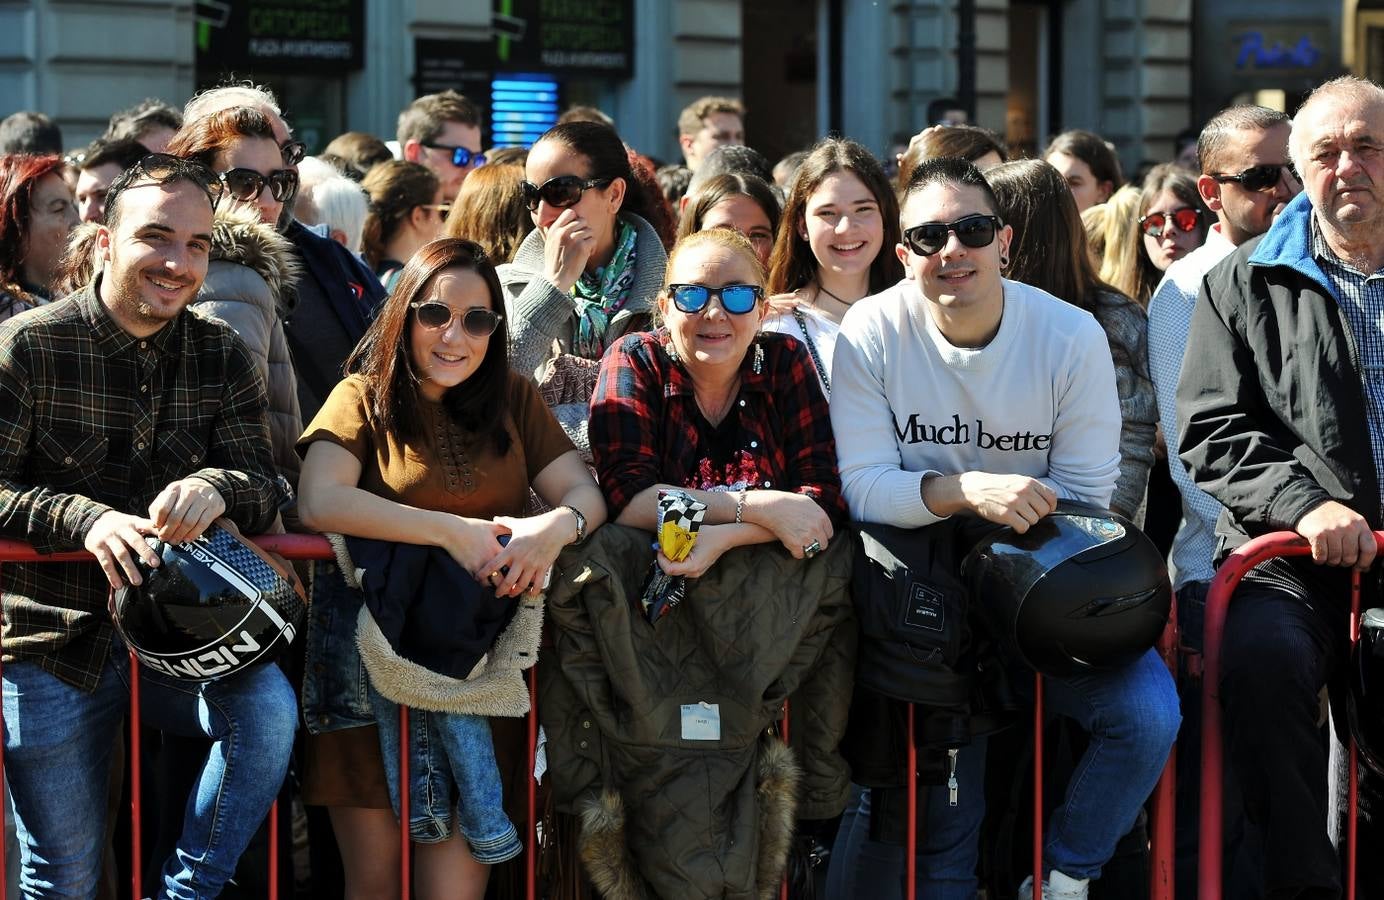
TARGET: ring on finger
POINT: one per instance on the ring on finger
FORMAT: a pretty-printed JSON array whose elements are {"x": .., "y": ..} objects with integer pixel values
[{"x": 812, "y": 549}]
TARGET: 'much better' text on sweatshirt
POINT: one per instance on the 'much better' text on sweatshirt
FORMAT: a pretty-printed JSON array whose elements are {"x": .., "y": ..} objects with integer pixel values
[{"x": 1038, "y": 400}]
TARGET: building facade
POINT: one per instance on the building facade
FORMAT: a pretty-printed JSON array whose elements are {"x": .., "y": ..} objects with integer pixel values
[{"x": 1136, "y": 71}]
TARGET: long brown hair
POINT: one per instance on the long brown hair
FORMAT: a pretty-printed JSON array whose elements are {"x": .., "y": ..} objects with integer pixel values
[
  {"x": 382, "y": 357},
  {"x": 722, "y": 187},
  {"x": 396, "y": 189},
  {"x": 1049, "y": 248},
  {"x": 489, "y": 209},
  {"x": 792, "y": 265}
]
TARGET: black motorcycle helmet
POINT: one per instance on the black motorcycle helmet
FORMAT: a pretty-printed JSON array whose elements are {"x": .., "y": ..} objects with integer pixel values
[
  {"x": 1365, "y": 702},
  {"x": 215, "y": 606},
  {"x": 1082, "y": 589}
]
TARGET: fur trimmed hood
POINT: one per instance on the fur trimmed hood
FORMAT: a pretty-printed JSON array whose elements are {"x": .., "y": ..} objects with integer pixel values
[
  {"x": 495, "y": 685},
  {"x": 238, "y": 236}
]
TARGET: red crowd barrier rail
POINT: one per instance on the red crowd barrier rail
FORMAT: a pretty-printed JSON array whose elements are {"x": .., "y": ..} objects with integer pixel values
[
  {"x": 1161, "y": 846},
  {"x": 1235, "y": 567}
]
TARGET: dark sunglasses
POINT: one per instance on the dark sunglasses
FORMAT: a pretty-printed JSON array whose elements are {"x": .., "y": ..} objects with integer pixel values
[
  {"x": 162, "y": 168},
  {"x": 736, "y": 299},
  {"x": 293, "y": 151},
  {"x": 461, "y": 157},
  {"x": 560, "y": 192},
  {"x": 477, "y": 321},
  {"x": 974, "y": 231},
  {"x": 1260, "y": 178},
  {"x": 245, "y": 184},
  {"x": 1184, "y": 219}
]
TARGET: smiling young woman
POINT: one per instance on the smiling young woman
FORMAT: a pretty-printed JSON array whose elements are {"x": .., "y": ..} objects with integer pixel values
[
  {"x": 433, "y": 441},
  {"x": 835, "y": 246}
]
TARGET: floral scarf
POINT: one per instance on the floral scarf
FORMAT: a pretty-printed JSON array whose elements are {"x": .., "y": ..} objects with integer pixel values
[{"x": 603, "y": 293}]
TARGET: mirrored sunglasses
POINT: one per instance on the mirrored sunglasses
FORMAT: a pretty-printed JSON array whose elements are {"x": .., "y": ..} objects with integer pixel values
[
  {"x": 560, "y": 192},
  {"x": 245, "y": 184},
  {"x": 1260, "y": 178},
  {"x": 736, "y": 299},
  {"x": 476, "y": 321},
  {"x": 461, "y": 157},
  {"x": 1183, "y": 219},
  {"x": 974, "y": 231}
]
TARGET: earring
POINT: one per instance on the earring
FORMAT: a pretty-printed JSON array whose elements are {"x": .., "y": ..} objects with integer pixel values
[
  {"x": 1004, "y": 261},
  {"x": 758, "y": 357}
]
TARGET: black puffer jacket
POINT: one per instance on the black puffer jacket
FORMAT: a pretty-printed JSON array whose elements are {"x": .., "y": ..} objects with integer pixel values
[{"x": 1271, "y": 402}]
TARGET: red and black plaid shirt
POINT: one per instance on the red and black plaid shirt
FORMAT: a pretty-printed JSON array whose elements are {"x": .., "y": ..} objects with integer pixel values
[{"x": 647, "y": 429}]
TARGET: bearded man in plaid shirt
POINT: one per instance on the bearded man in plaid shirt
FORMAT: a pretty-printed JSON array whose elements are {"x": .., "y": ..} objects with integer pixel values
[{"x": 123, "y": 416}]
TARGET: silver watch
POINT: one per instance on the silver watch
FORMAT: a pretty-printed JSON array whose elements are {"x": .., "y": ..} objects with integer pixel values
[{"x": 581, "y": 522}]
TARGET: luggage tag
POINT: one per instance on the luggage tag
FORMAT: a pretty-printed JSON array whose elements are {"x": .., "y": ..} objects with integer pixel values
[{"x": 701, "y": 721}]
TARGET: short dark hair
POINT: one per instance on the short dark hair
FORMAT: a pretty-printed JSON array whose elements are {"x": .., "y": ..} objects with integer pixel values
[
  {"x": 937, "y": 108},
  {"x": 133, "y": 123},
  {"x": 424, "y": 118},
  {"x": 1091, "y": 149},
  {"x": 104, "y": 153},
  {"x": 172, "y": 170},
  {"x": 358, "y": 152},
  {"x": 953, "y": 171},
  {"x": 1216, "y": 134},
  {"x": 968, "y": 142},
  {"x": 30, "y": 132},
  {"x": 581, "y": 113},
  {"x": 731, "y": 159}
]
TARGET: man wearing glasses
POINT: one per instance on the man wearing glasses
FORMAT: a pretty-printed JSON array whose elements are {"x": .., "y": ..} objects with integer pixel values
[
  {"x": 443, "y": 132},
  {"x": 1280, "y": 411},
  {"x": 1246, "y": 181},
  {"x": 959, "y": 393},
  {"x": 123, "y": 417}
]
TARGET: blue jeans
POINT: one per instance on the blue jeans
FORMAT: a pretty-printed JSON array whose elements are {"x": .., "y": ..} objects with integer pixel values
[
  {"x": 451, "y": 766},
  {"x": 1131, "y": 715},
  {"x": 336, "y": 688},
  {"x": 58, "y": 741}
]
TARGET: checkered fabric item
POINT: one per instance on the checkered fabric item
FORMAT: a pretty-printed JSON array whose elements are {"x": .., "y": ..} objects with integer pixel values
[
  {"x": 1361, "y": 301},
  {"x": 93, "y": 419}
]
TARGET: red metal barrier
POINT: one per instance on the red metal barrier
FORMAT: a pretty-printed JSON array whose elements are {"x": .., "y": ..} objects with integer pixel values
[
  {"x": 1235, "y": 567},
  {"x": 1161, "y": 845}
]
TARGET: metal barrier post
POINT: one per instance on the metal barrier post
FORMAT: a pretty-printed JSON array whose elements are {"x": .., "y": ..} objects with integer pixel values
[
  {"x": 910, "y": 850},
  {"x": 1162, "y": 843},
  {"x": 1037, "y": 786},
  {"x": 289, "y": 546},
  {"x": 1235, "y": 567},
  {"x": 531, "y": 830}
]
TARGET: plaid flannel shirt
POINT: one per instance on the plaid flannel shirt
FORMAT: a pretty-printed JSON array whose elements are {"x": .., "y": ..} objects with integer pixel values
[
  {"x": 93, "y": 419},
  {"x": 646, "y": 428}
]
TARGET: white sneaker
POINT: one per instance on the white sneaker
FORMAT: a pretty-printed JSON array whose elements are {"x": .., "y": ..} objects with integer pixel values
[{"x": 1057, "y": 887}]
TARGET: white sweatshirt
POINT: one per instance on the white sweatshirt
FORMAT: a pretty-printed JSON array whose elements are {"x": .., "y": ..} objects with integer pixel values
[{"x": 1038, "y": 400}]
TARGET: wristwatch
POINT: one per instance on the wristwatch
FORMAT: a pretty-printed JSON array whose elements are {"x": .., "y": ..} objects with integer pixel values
[{"x": 581, "y": 522}]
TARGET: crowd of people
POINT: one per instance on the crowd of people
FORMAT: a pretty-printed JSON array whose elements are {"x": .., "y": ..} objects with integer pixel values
[{"x": 521, "y": 362}]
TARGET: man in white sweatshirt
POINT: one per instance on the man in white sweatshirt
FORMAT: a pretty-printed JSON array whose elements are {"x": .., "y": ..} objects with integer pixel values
[{"x": 957, "y": 392}]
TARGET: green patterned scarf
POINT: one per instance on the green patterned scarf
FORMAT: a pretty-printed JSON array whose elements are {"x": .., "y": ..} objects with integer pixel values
[{"x": 603, "y": 293}]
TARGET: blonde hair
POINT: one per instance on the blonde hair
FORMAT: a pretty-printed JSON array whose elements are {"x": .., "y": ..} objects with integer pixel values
[{"x": 1113, "y": 227}]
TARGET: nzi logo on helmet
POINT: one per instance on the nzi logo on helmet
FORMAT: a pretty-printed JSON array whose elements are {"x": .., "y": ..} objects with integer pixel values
[{"x": 213, "y": 662}]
